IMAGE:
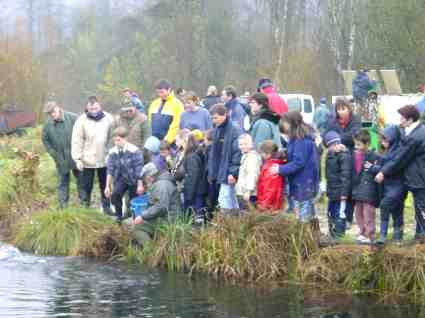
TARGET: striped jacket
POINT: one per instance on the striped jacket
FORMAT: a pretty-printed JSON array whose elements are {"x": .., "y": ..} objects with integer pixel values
[{"x": 125, "y": 164}]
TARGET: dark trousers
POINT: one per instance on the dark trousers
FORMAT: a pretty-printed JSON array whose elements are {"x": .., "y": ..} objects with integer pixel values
[
  {"x": 198, "y": 204},
  {"x": 392, "y": 206},
  {"x": 87, "y": 180},
  {"x": 119, "y": 190},
  {"x": 63, "y": 187},
  {"x": 419, "y": 198},
  {"x": 349, "y": 211},
  {"x": 213, "y": 191},
  {"x": 337, "y": 224}
]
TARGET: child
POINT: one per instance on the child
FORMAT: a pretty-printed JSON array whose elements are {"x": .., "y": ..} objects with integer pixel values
[
  {"x": 338, "y": 186},
  {"x": 124, "y": 171},
  {"x": 164, "y": 160},
  {"x": 302, "y": 168},
  {"x": 270, "y": 186},
  {"x": 365, "y": 190},
  {"x": 246, "y": 187},
  {"x": 394, "y": 191},
  {"x": 150, "y": 149}
]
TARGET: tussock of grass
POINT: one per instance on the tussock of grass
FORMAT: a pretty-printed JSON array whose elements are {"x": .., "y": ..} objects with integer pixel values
[
  {"x": 71, "y": 232},
  {"x": 254, "y": 247}
]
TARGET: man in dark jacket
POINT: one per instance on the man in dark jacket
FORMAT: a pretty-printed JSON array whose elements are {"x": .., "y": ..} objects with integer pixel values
[
  {"x": 236, "y": 111},
  {"x": 211, "y": 99},
  {"x": 338, "y": 183},
  {"x": 361, "y": 85},
  {"x": 410, "y": 158},
  {"x": 225, "y": 157},
  {"x": 164, "y": 203},
  {"x": 56, "y": 136}
]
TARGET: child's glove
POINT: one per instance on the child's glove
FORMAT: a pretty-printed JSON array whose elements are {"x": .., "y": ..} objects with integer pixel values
[{"x": 342, "y": 207}]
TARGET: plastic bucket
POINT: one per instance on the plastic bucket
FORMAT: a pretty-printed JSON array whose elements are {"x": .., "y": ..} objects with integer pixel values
[{"x": 139, "y": 204}]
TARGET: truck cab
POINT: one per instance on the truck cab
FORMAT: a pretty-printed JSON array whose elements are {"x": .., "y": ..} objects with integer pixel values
[{"x": 302, "y": 103}]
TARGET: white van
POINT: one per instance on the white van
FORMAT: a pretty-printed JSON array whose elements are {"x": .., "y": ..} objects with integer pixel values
[{"x": 302, "y": 103}]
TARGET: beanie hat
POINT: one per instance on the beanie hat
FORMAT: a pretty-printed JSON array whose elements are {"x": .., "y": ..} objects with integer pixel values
[
  {"x": 331, "y": 137},
  {"x": 263, "y": 83},
  {"x": 152, "y": 144},
  {"x": 149, "y": 170},
  {"x": 409, "y": 112},
  {"x": 198, "y": 135}
]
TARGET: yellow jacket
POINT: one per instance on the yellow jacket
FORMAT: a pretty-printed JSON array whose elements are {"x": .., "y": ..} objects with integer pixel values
[{"x": 165, "y": 118}]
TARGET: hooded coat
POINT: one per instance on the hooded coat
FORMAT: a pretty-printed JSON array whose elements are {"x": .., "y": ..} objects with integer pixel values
[
  {"x": 265, "y": 127},
  {"x": 277, "y": 103}
]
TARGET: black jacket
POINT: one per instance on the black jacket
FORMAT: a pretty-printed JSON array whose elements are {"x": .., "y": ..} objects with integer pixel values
[
  {"x": 195, "y": 180},
  {"x": 209, "y": 101},
  {"x": 338, "y": 175},
  {"x": 365, "y": 189},
  {"x": 346, "y": 133},
  {"x": 411, "y": 158}
]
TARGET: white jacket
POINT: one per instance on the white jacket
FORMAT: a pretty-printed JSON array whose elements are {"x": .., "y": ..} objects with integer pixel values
[
  {"x": 249, "y": 172},
  {"x": 90, "y": 141}
]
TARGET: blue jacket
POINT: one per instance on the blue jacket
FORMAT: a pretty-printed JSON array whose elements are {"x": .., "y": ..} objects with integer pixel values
[
  {"x": 135, "y": 100},
  {"x": 125, "y": 166},
  {"x": 393, "y": 185},
  {"x": 361, "y": 85},
  {"x": 237, "y": 113},
  {"x": 225, "y": 156},
  {"x": 321, "y": 118},
  {"x": 302, "y": 169}
]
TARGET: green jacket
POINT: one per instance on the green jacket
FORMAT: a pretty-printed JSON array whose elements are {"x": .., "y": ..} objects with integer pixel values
[
  {"x": 57, "y": 140},
  {"x": 138, "y": 129}
]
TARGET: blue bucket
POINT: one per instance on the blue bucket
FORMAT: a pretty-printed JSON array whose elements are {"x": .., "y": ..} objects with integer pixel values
[{"x": 139, "y": 204}]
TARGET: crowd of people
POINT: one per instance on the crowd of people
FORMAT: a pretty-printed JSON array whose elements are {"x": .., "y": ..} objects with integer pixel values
[{"x": 218, "y": 154}]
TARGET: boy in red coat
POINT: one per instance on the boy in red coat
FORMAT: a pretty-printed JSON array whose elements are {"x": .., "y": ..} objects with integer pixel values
[{"x": 270, "y": 186}]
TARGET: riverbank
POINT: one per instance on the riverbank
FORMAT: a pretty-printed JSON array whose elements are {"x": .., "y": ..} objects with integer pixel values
[{"x": 255, "y": 248}]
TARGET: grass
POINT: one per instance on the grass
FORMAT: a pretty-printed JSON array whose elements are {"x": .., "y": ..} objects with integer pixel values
[{"x": 71, "y": 232}]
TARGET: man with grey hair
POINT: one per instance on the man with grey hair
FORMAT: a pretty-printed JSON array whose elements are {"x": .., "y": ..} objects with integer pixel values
[
  {"x": 56, "y": 137},
  {"x": 164, "y": 202},
  {"x": 211, "y": 99}
]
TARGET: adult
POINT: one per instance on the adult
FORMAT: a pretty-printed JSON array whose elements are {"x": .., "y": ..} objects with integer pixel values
[
  {"x": 225, "y": 157},
  {"x": 346, "y": 123},
  {"x": 265, "y": 123},
  {"x": 194, "y": 116},
  {"x": 211, "y": 99},
  {"x": 136, "y": 124},
  {"x": 164, "y": 203},
  {"x": 165, "y": 112},
  {"x": 410, "y": 158},
  {"x": 56, "y": 137},
  {"x": 321, "y": 116},
  {"x": 235, "y": 109},
  {"x": 361, "y": 85},
  {"x": 277, "y": 103},
  {"x": 131, "y": 98},
  {"x": 89, "y": 149}
]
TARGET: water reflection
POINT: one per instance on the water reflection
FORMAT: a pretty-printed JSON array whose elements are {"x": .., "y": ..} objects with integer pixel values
[{"x": 75, "y": 287}]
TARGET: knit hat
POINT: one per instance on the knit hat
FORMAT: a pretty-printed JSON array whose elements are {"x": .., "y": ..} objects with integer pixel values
[
  {"x": 149, "y": 170},
  {"x": 409, "y": 112},
  {"x": 331, "y": 137},
  {"x": 152, "y": 144},
  {"x": 263, "y": 83},
  {"x": 198, "y": 135}
]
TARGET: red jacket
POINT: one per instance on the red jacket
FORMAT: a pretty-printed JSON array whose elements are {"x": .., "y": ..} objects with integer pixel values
[
  {"x": 277, "y": 103},
  {"x": 270, "y": 187}
]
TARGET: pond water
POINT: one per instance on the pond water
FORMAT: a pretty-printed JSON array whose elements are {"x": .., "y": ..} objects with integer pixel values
[{"x": 32, "y": 286}]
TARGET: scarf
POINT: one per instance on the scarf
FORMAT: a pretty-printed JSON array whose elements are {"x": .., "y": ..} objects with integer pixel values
[
  {"x": 96, "y": 117},
  {"x": 358, "y": 161},
  {"x": 344, "y": 121}
]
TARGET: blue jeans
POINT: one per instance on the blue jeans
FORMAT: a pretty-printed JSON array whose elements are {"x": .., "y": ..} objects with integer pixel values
[
  {"x": 336, "y": 221},
  {"x": 305, "y": 210},
  {"x": 227, "y": 197}
]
